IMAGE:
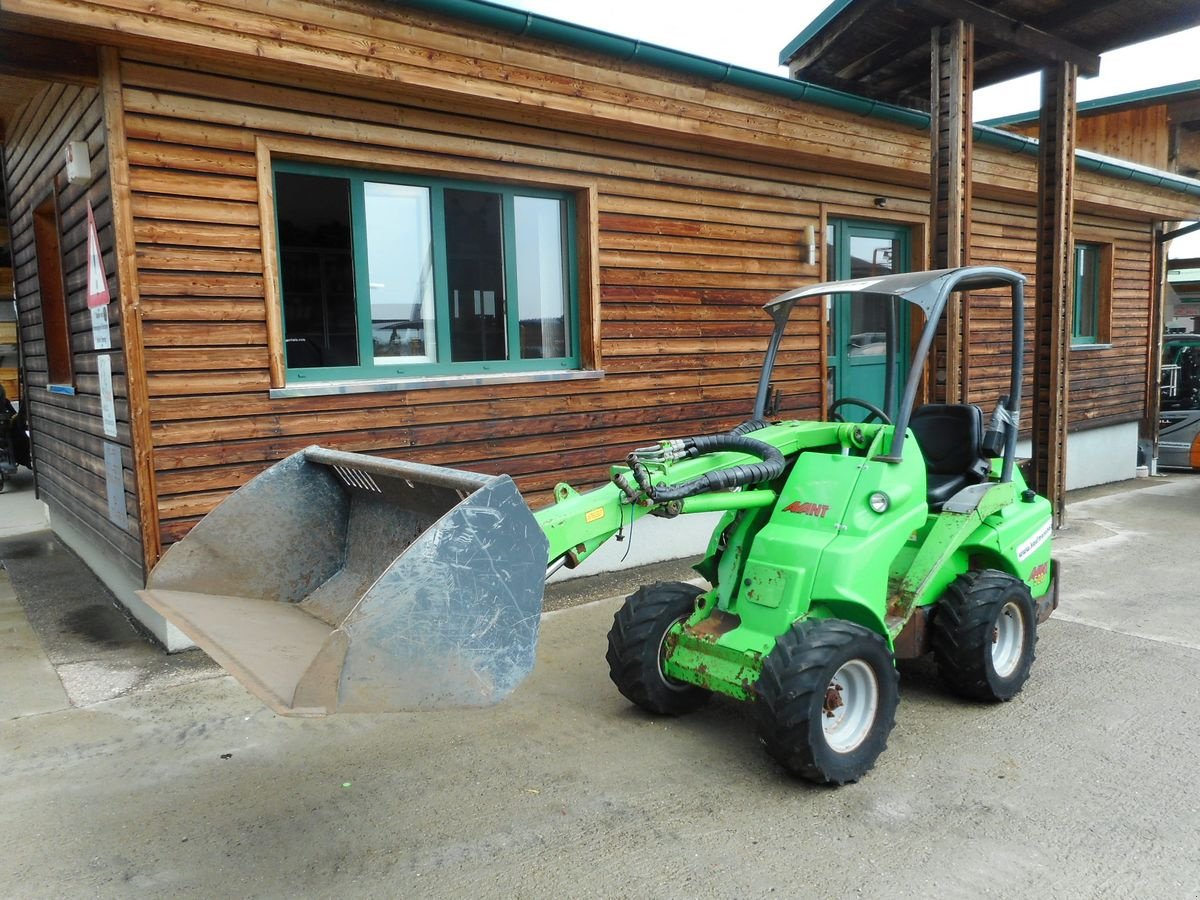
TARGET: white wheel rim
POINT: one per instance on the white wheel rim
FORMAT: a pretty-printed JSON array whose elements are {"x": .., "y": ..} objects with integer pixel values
[
  {"x": 851, "y": 702},
  {"x": 1008, "y": 640}
]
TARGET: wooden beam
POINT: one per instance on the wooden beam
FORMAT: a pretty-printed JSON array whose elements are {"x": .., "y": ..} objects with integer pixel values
[
  {"x": 997, "y": 28},
  {"x": 276, "y": 363},
  {"x": 1148, "y": 429},
  {"x": 125, "y": 249},
  {"x": 46, "y": 59},
  {"x": 1178, "y": 232},
  {"x": 1054, "y": 258},
  {"x": 812, "y": 51},
  {"x": 950, "y": 140}
]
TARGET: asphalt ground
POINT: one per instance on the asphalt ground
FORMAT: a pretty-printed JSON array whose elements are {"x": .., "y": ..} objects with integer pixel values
[{"x": 147, "y": 775}]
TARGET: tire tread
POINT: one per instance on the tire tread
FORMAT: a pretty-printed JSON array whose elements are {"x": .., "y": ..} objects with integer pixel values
[
  {"x": 784, "y": 693},
  {"x": 961, "y": 632}
]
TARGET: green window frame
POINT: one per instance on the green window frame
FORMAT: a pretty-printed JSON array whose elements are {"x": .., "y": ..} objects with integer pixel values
[
  {"x": 1088, "y": 303},
  {"x": 437, "y": 331}
]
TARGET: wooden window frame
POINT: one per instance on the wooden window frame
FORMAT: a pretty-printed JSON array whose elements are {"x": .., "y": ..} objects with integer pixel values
[
  {"x": 52, "y": 295},
  {"x": 1102, "y": 298},
  {"x": 317, "y": 157}
]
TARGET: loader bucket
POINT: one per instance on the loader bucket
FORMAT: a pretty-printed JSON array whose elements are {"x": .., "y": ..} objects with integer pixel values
[{"x": 336, "y": 582}]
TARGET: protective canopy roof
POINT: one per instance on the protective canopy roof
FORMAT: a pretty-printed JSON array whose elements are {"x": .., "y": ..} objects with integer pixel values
[
  {"x": 924, "y": 289},
  {"x": 880, "y": 48}
]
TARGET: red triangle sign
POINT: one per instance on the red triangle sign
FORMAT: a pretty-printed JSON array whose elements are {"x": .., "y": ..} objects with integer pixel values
[{"x": 97, "y": 280}]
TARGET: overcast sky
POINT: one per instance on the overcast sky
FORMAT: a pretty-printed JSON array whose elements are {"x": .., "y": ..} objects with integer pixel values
[{"x": 751, "y": 33}]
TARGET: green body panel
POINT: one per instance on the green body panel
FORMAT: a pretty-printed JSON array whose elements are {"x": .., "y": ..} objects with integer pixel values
[{"x": 810, "y": 543}]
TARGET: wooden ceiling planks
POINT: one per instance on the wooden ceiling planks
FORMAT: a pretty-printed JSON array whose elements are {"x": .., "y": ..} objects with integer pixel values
[{"x": 879, "y": 48}]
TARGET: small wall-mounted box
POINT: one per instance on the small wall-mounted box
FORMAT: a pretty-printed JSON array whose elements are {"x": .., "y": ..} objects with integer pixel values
[{"x": 79, "y": 163}]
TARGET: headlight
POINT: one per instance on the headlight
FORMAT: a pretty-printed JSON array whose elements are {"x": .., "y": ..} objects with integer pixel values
[{"x": 880, "y": 502}]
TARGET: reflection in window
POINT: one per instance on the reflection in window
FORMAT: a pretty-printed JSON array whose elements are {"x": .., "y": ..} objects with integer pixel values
[
  {"x": 541, "y": 278},
  {"x": 1087, "y": 293},
  {"x": 475, "y": 276},
  {"x": 869, "y": 257},
  {"x": 384, "y": 275},
  {"x": 400, "y": 273}
]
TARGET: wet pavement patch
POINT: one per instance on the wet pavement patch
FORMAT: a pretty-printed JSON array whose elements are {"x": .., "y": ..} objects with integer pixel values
[{"x": 104, "y": 625}]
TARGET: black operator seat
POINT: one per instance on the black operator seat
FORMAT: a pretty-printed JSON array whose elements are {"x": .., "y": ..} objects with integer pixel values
[{"x": 950, "y": 436}]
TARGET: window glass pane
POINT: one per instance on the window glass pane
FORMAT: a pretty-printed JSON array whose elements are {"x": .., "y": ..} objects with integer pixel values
[
  {"x": 870, "y": 256},
  {"x": 541, "y": 277},
  {"x": 475, "y": 275},
  {"x": 1087, "y": 290},
  {"x": 317, "y": 262},
  {"x": 400, "y": 273}
]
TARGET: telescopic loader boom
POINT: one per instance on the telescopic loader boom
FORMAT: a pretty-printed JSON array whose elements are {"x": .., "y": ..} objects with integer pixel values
[{"x": 335, "y": 582}]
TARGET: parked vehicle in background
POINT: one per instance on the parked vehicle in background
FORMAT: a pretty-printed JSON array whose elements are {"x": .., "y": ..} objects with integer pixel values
[
  {"x": 14, "y": 438},
  {"x": 1179, "y": 421}
]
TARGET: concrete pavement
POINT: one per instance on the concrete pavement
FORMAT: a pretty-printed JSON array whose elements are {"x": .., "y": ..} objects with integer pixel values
[{"x": 1083, "y": 786}]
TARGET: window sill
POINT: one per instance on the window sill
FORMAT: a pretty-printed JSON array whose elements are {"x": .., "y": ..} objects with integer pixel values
[
  {"x": 326, "y": 388},
  {"x": 1091, "y": 346}
]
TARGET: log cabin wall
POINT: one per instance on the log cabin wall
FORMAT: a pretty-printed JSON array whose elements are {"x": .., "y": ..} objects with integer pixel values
[
  {"x": 68, "y": 428},
  {"x": 690, "y": 245},
  {"x": 697, "y": 197},
  {"x": 1106, "y": 378},
  {"x": 1139, "y": 134}
]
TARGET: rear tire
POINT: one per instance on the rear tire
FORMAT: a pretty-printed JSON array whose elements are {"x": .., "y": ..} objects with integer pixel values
[
  {"x": 826, "y": 700},
  {"x": 636, "y": 648},
  {"x": 984, "y": 633}
]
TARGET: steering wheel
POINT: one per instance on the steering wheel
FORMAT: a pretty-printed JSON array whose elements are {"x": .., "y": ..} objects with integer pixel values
[{"x": 875, "y": 411}]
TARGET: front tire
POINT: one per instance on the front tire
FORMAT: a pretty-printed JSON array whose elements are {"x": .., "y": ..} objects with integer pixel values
[
  {"x": 984, "y": 632},
  {"x": 826, "y": 700},
  {"x": 637, "y": 648}
]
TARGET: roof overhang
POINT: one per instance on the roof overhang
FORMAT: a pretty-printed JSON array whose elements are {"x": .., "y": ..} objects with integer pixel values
[{"x": 880, "y": 47}]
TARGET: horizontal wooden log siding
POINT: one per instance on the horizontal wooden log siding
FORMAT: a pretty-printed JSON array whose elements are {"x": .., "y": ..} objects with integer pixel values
[
  {"x": 703, "y": 194},
  {"x": 68, "y": 430},
  {"x": 690, "y": 246},
  {"x": 1106, "y": 383},
  {"x": 335, "y": 48}
]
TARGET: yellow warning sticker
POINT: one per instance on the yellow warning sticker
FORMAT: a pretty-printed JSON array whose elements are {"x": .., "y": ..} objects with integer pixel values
[{"x": 593, "y": 514}]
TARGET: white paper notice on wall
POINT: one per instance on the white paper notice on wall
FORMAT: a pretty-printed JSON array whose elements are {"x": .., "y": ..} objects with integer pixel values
[
  {"x": 114, "y": 481},
  {"x": 108, "y": 410},
  {"x": 101, "y": 338}
]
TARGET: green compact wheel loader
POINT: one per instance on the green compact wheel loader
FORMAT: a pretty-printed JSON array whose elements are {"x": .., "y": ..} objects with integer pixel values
[{"x": 335, "y": 582}]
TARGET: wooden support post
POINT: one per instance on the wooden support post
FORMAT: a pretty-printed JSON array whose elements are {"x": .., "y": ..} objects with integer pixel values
[
  {"x": 1148, "y": 429},
  {"x": 950, "y": 139},
  {"x": 1055, "y": 256},
  {"x": 125, "y": 249}
]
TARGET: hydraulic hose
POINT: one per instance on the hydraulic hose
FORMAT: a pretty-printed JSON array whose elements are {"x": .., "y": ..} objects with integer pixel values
[
  {"x": 771, "y": 466},
  {"x": 751, "y": 425}
]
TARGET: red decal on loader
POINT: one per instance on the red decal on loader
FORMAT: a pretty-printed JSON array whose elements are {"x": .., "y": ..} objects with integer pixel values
[
  {"x": 1039, "y": 573},
  {"x": 817, "y": 510}
]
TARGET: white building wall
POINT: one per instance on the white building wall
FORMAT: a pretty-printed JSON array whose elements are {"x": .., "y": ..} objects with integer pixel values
[{"x": 1098, "y": 456}]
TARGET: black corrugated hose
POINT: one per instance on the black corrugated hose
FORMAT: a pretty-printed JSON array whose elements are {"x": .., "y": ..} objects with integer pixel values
[{"x": 771, "y": 467}]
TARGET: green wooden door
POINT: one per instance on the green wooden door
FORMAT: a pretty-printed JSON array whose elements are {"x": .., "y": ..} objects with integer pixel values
[{"x": 857, "y": 352}]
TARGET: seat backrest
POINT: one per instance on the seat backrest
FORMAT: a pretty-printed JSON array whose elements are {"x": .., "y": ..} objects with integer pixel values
[{"x": 950, "y": 437}]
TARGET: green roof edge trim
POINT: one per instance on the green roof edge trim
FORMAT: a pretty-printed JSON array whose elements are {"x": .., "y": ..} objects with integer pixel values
[
  {"x": 1094, "y": 162},
  {"x": 827, "y": 15},
  {"x": 522, "y": 23},
  {"x": 1133, "y": 97}
]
